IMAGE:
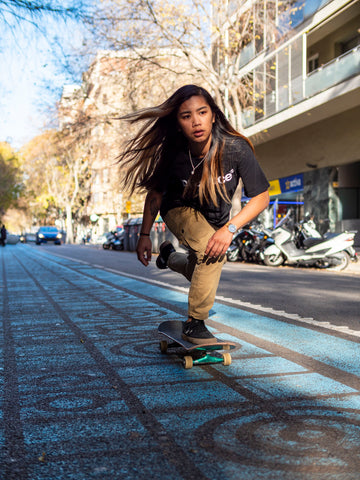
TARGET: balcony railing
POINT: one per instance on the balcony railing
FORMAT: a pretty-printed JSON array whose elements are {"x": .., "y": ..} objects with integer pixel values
[
  {"x": 329, "y": 75},
  {"x": 247, "y": 54},
  {"x": 333, "y": 72}
]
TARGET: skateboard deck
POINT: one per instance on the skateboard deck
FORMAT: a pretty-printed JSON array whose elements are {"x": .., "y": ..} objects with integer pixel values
[{"x": 193, "y": 354}]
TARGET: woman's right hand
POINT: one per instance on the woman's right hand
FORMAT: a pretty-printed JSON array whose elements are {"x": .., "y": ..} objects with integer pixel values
[{"x": 143, "y": 250}]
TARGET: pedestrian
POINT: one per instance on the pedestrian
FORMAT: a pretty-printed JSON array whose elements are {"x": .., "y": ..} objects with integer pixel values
[
  {"x": 3, "y": 236},
  {"x": 189, "y": 160}
]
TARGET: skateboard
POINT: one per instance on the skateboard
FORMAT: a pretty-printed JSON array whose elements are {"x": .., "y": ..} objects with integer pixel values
[{"x": 192, "y": 354}]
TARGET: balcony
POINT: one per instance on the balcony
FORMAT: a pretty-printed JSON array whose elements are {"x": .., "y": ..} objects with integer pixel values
[
  {"x": 333, "y": 72},
  {"x": 301, "y": 88}
]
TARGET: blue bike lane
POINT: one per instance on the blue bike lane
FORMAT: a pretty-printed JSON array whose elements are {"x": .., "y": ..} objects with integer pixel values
[{"x": 88, "y": 395}]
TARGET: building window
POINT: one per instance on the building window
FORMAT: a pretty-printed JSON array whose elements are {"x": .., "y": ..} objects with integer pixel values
[
  {"x": 313, "y": 63},
  {"x": 350, "y": 44}
]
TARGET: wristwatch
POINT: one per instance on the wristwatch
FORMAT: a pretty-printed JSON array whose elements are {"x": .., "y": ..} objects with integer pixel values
[{"x": 231, "y": 227}]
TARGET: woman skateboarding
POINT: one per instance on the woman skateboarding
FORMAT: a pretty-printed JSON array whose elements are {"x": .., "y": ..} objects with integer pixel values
[{"x": 189, "y": 160}]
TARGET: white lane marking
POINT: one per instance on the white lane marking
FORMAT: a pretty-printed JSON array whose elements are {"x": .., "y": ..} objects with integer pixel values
[
  {"x": 142, "y": 279},
  {"x": 260, "y": 308},
  {"x": 293, "y": 316}
]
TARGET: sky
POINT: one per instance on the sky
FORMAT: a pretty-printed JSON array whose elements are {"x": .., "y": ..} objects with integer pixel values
[
  {"x": 32, "y": 76},
  {"x": 31, "y": 67}
]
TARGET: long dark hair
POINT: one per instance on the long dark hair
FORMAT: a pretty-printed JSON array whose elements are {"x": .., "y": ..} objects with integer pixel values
[{"x": 147, "y": 155}]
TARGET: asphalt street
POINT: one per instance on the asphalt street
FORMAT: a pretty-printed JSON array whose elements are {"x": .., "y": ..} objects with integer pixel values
[{"x": 87, "y": 394}]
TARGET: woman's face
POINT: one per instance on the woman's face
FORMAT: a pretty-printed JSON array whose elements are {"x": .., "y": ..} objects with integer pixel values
[{"x": 195, "y": 118}]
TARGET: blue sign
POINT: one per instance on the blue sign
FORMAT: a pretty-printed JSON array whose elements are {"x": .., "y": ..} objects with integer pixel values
[{"x": 294, "y": 183}]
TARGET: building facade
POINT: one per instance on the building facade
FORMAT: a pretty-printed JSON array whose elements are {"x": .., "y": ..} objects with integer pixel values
[
  {"x": 303, "y": 61},
  {"x": 116, "y": 83}
]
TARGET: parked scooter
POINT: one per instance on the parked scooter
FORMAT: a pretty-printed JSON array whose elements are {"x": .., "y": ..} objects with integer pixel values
[
  {"x": 334, "y": 250},
  {"x": 304, "y": 230}
]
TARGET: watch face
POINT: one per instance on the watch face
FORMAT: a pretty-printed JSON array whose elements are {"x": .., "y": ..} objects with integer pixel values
[{"x": 232, "y": 228}]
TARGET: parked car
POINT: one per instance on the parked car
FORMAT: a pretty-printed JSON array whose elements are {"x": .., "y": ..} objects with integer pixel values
[
  {"x": 48, "y": 234},
  {"x": 12, "y": 239}
]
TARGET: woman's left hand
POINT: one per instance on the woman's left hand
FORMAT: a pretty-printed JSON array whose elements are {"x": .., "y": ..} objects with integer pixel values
[{"x": 219, "y": 243}]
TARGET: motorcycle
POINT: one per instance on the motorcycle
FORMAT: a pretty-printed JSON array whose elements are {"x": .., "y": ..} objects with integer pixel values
[
  {"x": 114, "y": 241},
  {"x": 235, "y": 250},
  {"x": 249, "y": 243},
  {"x": 258, "y": 239},
  {"x": 291, "y": 246}
]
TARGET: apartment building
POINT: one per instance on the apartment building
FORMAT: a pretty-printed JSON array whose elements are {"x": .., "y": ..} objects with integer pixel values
[
  {"x": 303, "y": 115},
  {"x": 116, "y": 83}
]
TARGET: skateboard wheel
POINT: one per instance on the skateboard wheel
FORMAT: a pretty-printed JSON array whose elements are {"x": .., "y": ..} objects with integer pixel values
[
  {"x": 188, "y": 362},
  {"x": 227, "y": 358},
  {"x": 226, "y": 347},
  {"x": 163, "y": 346}
]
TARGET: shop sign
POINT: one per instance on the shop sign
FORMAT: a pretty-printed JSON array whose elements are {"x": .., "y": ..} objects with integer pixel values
[
  {"x": 274, "y": 188},
  {"x": 287, "y": 184}
]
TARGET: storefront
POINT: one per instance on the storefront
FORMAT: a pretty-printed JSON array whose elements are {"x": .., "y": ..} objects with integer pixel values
[
  {"x": 331, "y": 195},
  {"x": 286, "y": 193}
]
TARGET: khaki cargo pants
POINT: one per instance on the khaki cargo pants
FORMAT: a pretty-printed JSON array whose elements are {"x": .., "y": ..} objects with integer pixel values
[{"x": 193, "y": 232}]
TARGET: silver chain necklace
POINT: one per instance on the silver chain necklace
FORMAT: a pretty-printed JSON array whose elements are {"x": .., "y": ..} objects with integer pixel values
[{"x": 195, "y": 167}]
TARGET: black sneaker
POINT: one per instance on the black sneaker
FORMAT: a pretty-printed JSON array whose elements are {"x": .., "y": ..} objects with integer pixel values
[
  {"x": 166, "y": 248},
  {"x": 196, "y": 332}
]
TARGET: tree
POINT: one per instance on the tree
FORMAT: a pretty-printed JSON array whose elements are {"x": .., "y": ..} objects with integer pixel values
[
  {"x": 72, "y": 185},
  {"x": 31, "y": 10},
  {"x": 10, "y": 178},
  {"x": 215, "y": 38},
  {"x": 115, "y": 83},
  {"x": 58, "y": 177},
  {"x": 39, "y": 44},
  {"x": 37, "y": 156}
]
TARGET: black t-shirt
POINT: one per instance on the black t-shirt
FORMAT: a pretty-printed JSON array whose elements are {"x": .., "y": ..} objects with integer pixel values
[{"x": 238, "y": 162}]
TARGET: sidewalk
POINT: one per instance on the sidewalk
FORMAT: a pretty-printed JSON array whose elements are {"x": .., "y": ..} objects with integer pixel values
[
  {"x": 88, "y": 395},
  {"x": 354, "y": 267}
]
